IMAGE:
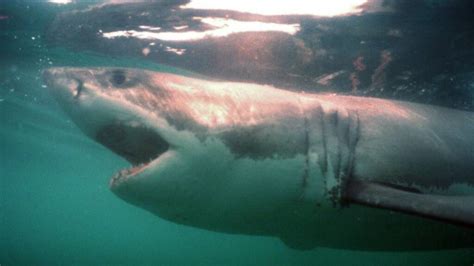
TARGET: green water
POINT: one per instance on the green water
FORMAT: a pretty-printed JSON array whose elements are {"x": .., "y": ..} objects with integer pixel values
[{"x": 55, "y": 206}]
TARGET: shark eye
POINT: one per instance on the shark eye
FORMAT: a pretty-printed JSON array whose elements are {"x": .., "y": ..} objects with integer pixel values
[
  {"x": 122, "y": 79},
  {"x": 118, "y": 78}
]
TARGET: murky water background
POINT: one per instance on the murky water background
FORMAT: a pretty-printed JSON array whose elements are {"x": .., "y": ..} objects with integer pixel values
[{"x": 55, "y": 206}]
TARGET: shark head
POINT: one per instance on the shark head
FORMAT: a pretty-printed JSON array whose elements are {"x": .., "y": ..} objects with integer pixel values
[
  {"x": 216, "y": 155},
  {"x": 98, "y": 101}
]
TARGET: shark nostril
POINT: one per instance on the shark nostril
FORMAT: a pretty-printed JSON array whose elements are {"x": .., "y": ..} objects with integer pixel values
[{"x": 79, "y": 88}]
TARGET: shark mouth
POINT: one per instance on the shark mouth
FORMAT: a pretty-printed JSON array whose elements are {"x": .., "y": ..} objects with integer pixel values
[{"x": 137, "y": 144}]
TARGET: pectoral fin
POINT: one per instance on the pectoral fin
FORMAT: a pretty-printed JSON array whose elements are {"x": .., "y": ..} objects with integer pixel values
[{"x": 453, "y": 209}]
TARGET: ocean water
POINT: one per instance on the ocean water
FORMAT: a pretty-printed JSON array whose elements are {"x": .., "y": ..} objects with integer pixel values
[{"x": 55, "y": 205}]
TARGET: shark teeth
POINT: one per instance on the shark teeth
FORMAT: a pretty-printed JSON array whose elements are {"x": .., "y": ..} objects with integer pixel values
[
  {"x": 128, "y": 172},
  {"x": 124, "y": 173}
]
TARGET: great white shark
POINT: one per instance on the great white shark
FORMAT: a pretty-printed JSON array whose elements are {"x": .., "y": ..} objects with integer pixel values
[{"x": 311, "y": 169}]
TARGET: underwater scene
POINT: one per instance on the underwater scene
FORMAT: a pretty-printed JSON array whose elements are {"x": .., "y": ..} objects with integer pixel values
[{"x": 201, "y": 132}]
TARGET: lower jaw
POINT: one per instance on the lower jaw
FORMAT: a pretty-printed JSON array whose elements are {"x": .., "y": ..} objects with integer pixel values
[
  {"x": 125, "y": 174},
  {"x": 129, "y": 173}
]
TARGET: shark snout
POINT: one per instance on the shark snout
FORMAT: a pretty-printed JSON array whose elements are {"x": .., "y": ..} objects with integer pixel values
[
  {"x": 62, "y": 84},
  {"x": 48, "y": 76},
  {"x": 55, "y": 78}
]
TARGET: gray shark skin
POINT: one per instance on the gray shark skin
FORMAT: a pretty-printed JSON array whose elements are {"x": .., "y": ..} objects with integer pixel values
[{"x": 313, "y": 170}]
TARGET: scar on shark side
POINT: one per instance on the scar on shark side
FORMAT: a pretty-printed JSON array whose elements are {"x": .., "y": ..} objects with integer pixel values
[{"x": 313, "y": 170}]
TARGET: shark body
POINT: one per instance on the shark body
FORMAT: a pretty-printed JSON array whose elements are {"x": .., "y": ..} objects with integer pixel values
[{"x": 313, "y": 170}]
